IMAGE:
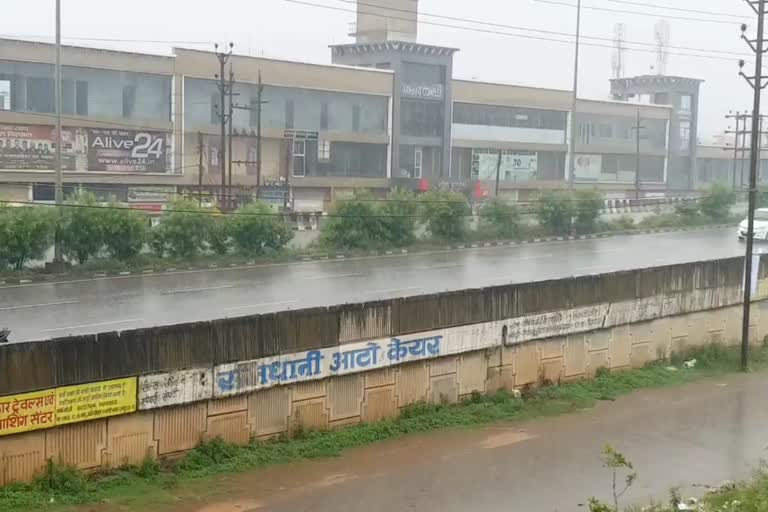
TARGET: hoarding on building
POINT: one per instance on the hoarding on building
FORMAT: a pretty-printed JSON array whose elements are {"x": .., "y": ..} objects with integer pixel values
[
  {"x": 514, "y": 166},
  {"x": 33, "y": 147},
  {"x": 588, "y": 167}
]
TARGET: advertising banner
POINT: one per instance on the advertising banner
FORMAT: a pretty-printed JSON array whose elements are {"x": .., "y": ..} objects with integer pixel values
[
  {"x": 173, "y": 388},
  {"x": 70, "y": 404},
  {"x": 514, "y": 167},
  {"x": 588, "y": 167},
  {"x": 33, "y": 147}
]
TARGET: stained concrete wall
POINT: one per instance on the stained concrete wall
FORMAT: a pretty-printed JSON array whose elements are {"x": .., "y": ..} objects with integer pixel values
[{"x": 372, "y": 395}]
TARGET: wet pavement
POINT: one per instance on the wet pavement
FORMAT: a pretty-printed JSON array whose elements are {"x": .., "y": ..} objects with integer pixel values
[
  {"x": 48, "y": 310},
  {"x": 700, "y": 433}
]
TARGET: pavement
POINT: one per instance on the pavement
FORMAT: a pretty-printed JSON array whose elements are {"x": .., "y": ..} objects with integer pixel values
[
  {"x": 46, "y": 310},
  {"x": 697, "y": 434}
]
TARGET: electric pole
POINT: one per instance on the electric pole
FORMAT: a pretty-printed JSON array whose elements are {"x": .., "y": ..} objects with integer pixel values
[
  {"x": 498, "y": 172},
  {"x": 637, "y": 128},
  {"x": 572, "y": 128},
  {"x": 222, "y": 115},
  {"x": 257, "y": 107},
  {"x": 58, "y": 251},
  {"x": 757, "y": 84},
  {"x": 200, "y": 168},
  {"x": 230, "y": 119},
  {"x": 737, "y": 117}
]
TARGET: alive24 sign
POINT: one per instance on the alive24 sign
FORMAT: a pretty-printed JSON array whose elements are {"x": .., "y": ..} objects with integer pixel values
[{"x": 115, "y": 150}]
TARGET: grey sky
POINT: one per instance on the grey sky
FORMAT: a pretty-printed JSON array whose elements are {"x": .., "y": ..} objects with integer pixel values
[{"x": 278, "y": 28}]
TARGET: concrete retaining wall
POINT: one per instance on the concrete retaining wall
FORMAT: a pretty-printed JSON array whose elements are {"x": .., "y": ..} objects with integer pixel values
[{"x": 255, "y": 377}]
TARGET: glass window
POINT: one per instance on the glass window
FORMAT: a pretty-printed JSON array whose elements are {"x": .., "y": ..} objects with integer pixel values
[
  {"x": 421, "y": 118},
  {"x": 129, "y": 100},
  {"x": 356, "y": 118},
  {"x": 606, "y": 131},
  {"x": 299, "y": 158},
  {"x": 5, "y": 94},
  {"x": 685, "y": 102},
  {"x": 513, "y": 117},
  {"x": 289, "y": 110},
  {"x": 324, "y": 150},
  {"x": 324, "y": 116},
  {"x": 40, "y": 95},
  {"x": 417, "y": 162},
  {"x": 81, "y": 98},
  {"x": 423, "y": 73}
]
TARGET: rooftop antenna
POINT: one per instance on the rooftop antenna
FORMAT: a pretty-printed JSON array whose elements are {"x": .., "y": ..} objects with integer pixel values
[
  {"x": 661, "y": 33},
  {"x": 619, "y": 35}
]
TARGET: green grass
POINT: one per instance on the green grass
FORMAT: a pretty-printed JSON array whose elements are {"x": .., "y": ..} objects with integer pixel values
[{"x": 59, "y": 487}]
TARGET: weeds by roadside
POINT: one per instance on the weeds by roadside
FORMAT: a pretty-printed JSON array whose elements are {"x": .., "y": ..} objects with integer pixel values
[{"x": 150, "y": 482}]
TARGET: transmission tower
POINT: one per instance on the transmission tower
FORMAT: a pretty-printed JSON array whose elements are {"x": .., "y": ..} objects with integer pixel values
[
  {"x": 619, "y": 36},
  {"x": 661, "y": 33}
]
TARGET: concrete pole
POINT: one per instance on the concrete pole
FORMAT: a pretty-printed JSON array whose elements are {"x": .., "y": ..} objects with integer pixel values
[{"x": 572, "y": 159}]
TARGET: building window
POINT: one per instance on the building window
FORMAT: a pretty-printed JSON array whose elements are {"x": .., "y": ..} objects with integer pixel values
[
  {"x": 40, "y": 94},
  {"x": 356, "y": 118},
  {"x": 606, "y": 131},
  {"x": 685, "y": 102},
  {"x": 129, "y": 100},
  {"x": 214, "y": 156},
  {"x": 215, "y": 110},
  {"x": 289, "y": 107},
  {"x": 299, "y": 157},
  {"x": 417, "y": 161},
  {"x": 81, "y": 98},
  {"x": 421, "y": 118},
  {"x": 324, "y": 150},
  {"x": 5, "y": 95},
  {"x": 324, "y": 116}
]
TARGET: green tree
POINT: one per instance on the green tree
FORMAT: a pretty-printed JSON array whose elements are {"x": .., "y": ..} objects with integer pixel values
[
  {"x": 555, "y": 212},
  {"x": 445, "y": 214},
  {"x": 501, "y": 218},
  {"x": 219, "y": 235},
  {"x": 184, "y": 230},
  {"x": 25, "y": 234},
  {"x": 82, "y": 227},
  {"x": 355, "y": 223},
  {"x": 125, "y": 232},
  {"x": 716, "y": 203},
  {"x": 588, "y": 204},
  {"x": 256, "y": 228},
  {"x": 398, "y": 218}
]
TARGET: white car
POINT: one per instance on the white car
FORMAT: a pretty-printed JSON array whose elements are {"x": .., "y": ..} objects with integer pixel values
[{"x": 760, "y": 226}]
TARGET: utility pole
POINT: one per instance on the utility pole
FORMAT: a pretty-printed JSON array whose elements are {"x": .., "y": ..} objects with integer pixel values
[
  {"x": 230, "y": 119},
  {"x": 757, "y": 84},
  {"x": 572, "y": 160},
  {"x": 222, "y": 114},
  {"x": 737, "y": 117},
  {"x": 58, "y": 252},
  {"x": 257, "y": 107},
  {"x": 637, "y": 128},
  {"x": 200, "y": 168},
  {"x": 498, "y": 172}
]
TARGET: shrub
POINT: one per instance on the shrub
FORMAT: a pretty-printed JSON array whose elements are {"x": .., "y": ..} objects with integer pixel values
[
  {"x": 555, "y": 212},
  {"x": 82, "y": 227},
  {"x": 588, "y": 204},
  {"x": 26, "y": 233},
  {"x": 687, "y": 210},
  {"x": 445, "y": 214},
  {"x": 256, "y": 228},
  {"x": 501, "y": 218},
  {"x": 183, "y": 231},
  {"x": 355, "y": 224},
  {"x": 716, "y": 203},
  {"x": 398, "y": 218},
  {"x": 219, "y": 235},
  {"x": 125, "y": 232}
]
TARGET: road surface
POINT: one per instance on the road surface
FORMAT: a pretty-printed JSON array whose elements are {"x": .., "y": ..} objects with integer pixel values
[
  {"x": 40, "y": 311},
  {"x": 700, "y": 433}
]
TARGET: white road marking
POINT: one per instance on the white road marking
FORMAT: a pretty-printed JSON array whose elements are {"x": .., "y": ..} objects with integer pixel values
[
  {"x": 193, "y": 290},
  {"x": 263, "y": 304},
  {"x": 332, "y": 276},
  {"x": 434, "y": 267},
  {"x": 10, "y": 308},
  {"x": 127, "y": 321},
  {"x": 393, "y": 290}
]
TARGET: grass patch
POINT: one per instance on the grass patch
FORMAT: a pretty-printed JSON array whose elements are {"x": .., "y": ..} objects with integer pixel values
[{"x": 150, "y": 483}]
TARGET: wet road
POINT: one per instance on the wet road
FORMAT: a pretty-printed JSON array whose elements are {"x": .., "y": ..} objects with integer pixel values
[
  {"x": 701, "y": 433},
  {"x": 47, "y": 310}
]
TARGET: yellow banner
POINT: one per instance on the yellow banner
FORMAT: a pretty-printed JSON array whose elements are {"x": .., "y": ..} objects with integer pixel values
[
  {"x": 95, "y": 400},
  {"x": 70, "y": 404},
  {"x": 28, "y": 411}
]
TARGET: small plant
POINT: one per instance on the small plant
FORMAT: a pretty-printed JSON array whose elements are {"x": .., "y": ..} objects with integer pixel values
[
  {"x": 617, "y": 463},
  {"x": 445, "y": 214},
  {"x": 60, "y": 478},
  {"x": 587, "y": 209},
  {"x": 555, "y": 212},
  {"x": 501, "y": 218},
  {"x": 717, "y": 203},
  {"x": 125, "y": 232}
]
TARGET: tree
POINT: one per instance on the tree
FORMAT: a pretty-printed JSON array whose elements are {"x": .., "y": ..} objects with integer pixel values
[
  {"x": 218, "y": 236},
  {"x": 445, "y": 214},
  {"x": 25, "y": 234},
  {"x": 355, "y": 223},
  {"x": 256, "y": 229},
  {"x": 82, "y": 227},
  {"x": 184, "y": 230},
  {"x": 125, "y": 232},
  {"x": 555, "y": 212},
  {"x": 616, "y": 462},
  {"x": 588, "y": 204},
  {"x": 501, "y": 218},
  {"x": 717, "y": 203},
  {"x": 398, "y": 218}
]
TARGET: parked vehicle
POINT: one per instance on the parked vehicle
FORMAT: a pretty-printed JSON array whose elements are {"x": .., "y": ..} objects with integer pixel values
[{"x": 760, "y": 227}]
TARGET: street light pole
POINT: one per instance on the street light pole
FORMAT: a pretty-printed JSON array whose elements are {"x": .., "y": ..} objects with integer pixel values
[
  {"x": 572, "y": 128},
  {"x": 58, "y": 256}
]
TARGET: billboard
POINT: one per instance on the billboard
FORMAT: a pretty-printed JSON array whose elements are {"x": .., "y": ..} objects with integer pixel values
[
  {"x": 32, "y": 147},
  {"x": 514, "y": 167},
  {"x": 588, "y": 167}
]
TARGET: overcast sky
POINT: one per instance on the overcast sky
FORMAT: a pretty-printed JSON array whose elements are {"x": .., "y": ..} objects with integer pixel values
[{"x": 279, "y": 28}]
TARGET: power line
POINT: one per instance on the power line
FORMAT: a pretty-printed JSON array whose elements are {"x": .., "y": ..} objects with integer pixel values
[
  {"x": 639, "y": 13},
  {"x": 680, "y": 9},
  {"x": 526, "y": 29},
  {"x": 106, "y": 39},
  {"x": 496, "y": 32}
]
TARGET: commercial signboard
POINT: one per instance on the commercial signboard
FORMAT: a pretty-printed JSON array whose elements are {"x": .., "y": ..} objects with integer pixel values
[
  {"x": 33, "y": 147},
  {"x": 173, "y": 388},
  {"x": 588, "y": 167},
  {"x": 423, "y": 91},
  {"x": 514, "y": 166},
  {"x": 65, "y": 405}
]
